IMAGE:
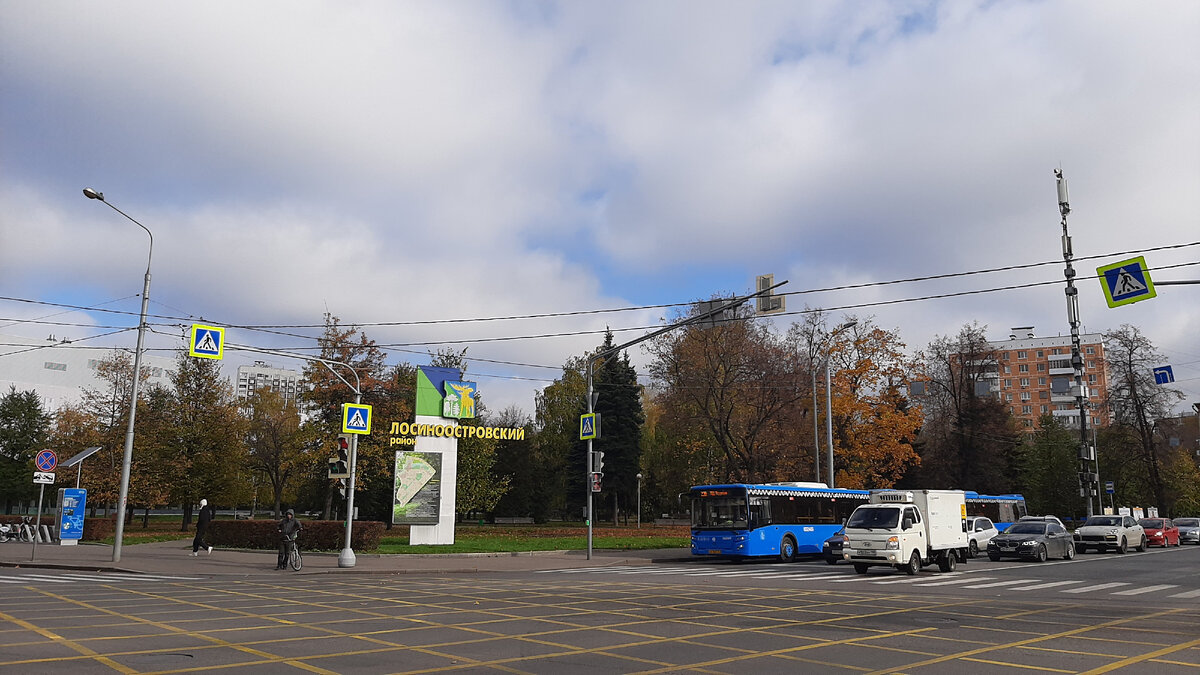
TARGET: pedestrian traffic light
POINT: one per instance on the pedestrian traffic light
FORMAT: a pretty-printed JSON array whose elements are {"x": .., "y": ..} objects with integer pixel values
[
  {"x": 598, "y": 462},
  {"x": 339, "y": 465}
]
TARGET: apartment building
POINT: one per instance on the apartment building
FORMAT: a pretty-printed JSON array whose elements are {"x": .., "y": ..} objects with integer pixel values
[
  {"x": 262, "y": 375},
  {"x": 1034, "y": 377}
]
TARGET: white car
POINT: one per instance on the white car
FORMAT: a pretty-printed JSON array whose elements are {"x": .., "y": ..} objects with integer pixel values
[
  {"x": 980, "y": 531},
  {"x": 1110, "y": 532}
]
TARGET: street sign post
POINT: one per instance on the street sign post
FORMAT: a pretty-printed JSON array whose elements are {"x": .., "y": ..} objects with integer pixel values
[
  {"x": 1126, "y": 282},
  {"x": 208, "y": 342}
]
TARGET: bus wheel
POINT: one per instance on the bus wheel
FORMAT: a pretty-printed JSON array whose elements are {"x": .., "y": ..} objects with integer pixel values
[{"x": 787, "y": 549}]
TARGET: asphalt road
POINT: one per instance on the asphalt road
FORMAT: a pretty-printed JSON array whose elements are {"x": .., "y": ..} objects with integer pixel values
[{"x": 1137, "y": 613}]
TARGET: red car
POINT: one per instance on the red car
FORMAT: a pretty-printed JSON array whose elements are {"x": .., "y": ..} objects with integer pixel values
[{"x": 1160, "y": 532}]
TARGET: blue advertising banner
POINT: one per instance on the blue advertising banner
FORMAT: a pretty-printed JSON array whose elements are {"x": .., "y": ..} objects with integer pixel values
[{"x": 72, "y": 503}]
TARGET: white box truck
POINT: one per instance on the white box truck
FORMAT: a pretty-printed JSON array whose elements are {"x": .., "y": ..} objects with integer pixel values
[{"x": 906, "y": 529}]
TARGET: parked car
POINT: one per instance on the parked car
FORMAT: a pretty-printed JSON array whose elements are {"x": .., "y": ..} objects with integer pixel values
[
  {"x": 1110, "y": 532},
  {"x": 831, "y": 550},
  {"x": 1035, "y": 540},
  {"x": 1042, "y": 519},
  {"x": 980, "y": 531},
  {"x": 1189, "y": 530},
  {"x": 1160, "y": 531}
]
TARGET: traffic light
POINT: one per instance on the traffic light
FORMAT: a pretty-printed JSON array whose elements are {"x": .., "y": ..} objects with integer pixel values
[
  {"x": 339, "y": 465},
  {"x": 598, "y": 462}
]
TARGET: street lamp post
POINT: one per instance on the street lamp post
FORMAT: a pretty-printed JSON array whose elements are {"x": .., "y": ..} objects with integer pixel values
[
  {"x": 127, "y": 458},
  {"x": 639, "y": 501},
  {"x": 829, "y": 397}
]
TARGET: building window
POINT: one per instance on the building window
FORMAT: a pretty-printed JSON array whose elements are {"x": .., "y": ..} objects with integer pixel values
[
  {"x": 1026, "y": 410},
  {"x": 1023, "y": 368},
  {"x": 1091, "y": 365},
  {"x": 1007, "y": 370},
  {"x": 1028, "y": 422},
  {"x": 1004, "y": 356},
  {"x": 1091, "y": 379},
  {"x": 1024, "y": 381},
  {"x": 1091, "y": 350},
  {"x": 1041, "y": 367},
  {"x": 1041, "y": 354},
  {"x": 1041, "y": 381},
  {"x": 1008, "y": 397},
  {"x": 1025, "y": 396},
  {"x": 50, "y": 365},
  {"x": 1007, "y": 384},
  {"x": 1045, "y": 409}
]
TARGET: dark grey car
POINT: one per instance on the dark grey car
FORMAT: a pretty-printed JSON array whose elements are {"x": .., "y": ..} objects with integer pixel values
[
  {"x": 1032, "y": 541},
  {"x": 1189, "y": 530}
]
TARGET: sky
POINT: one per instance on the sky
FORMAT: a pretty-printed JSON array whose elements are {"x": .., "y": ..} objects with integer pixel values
[{"x": 414, "y": 168}]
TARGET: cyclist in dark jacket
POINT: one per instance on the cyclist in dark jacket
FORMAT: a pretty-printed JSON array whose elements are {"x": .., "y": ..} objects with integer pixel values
[{"x": 289, "y": 528}]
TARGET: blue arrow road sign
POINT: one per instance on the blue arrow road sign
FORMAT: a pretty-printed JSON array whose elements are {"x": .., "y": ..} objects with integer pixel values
[{"x": 1164, "y": 375}]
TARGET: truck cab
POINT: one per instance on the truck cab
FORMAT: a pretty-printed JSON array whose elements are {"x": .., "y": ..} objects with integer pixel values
[{"x": 908, "y": 529}]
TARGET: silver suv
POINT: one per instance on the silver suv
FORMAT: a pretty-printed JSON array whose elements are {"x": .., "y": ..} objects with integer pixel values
[{"x": 1110, "y": 532}]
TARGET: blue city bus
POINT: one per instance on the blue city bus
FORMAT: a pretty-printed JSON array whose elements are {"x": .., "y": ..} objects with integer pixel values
[{"x": 741, "y": 520}]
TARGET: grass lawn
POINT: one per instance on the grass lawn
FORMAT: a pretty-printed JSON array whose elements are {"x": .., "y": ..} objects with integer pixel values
[{"x": 553, "y": 537}]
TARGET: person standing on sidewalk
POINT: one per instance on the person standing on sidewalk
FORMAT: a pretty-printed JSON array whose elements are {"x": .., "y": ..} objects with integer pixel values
[
  {"x": 202, "y": 520},
  {"x": 289, "y": 528}
]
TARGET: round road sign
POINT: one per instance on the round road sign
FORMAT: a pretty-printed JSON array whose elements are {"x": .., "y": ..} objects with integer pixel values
[{"x": 47, "y": 460}]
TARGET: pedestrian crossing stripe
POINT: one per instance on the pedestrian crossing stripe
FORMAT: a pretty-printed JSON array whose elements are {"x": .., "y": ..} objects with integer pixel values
[
  {"x": 1126, "y": 282},
  {"x": 208, "y": 342},
  {"x": 356, "y": 418}
]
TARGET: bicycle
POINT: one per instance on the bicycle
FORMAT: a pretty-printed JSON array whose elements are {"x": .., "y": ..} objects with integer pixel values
[
  {"x": 22, "y": 531},
  {"x": 295, "y": 560}
]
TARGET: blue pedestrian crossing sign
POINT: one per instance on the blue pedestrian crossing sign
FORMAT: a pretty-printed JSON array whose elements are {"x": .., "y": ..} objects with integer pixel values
[
  {"x": 1164, "y": 375},
  {"x": 208, "y": 342},
  {"x": 356, "y": 418},
  {"x": 587, "y": 426},
  {"x": 1126, "y": 282}
]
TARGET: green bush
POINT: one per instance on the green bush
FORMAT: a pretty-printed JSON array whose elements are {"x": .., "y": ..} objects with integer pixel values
[{"x": 315, "y": 535}]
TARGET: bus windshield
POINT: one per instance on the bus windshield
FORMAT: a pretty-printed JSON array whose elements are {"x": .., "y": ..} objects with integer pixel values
[
  {"x": 869, "y": 518},
  {"x": 727, "y": 513}
]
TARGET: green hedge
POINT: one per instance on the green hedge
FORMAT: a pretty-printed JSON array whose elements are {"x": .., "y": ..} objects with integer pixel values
[{"x": 316, "y": 535}]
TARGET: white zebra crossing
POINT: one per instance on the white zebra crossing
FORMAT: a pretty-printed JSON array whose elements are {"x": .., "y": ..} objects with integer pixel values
[{"x": 960, "y": 579}]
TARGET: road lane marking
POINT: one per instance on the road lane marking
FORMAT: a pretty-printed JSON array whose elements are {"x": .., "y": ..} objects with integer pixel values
[
  {"x": 910, "y": 580},
  {"x": 1147, "y": 589},
  {"x": 995, "y": 584},
  {"x": 963, "y": 580},
  {"x": 1051, "y": 584},
  {"x": 1097, "y": 587},
  {"x": 1186, "y": 594}
]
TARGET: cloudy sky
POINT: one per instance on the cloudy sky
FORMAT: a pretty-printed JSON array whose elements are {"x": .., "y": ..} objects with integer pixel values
[{"x": 411, "y": 166}]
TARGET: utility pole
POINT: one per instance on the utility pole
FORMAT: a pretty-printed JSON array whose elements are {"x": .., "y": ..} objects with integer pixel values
[{"x": 1087, "y": 452}]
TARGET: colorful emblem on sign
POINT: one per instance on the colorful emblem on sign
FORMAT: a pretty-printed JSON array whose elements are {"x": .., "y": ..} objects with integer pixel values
[
  {"x": 587, "y": 426},
  {"x": 208, "y": 342},
  {"x": 459, "y": 401},
  {"x": 1126, "y": 282},
  {"x": 46, "y": 460},
  {"x": 356, "y": 418}
]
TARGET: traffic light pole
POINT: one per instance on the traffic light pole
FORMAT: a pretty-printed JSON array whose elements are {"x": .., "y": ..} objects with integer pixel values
[
  {"x": 346, "y": 557},
  {"x": 601, "y": 355}
]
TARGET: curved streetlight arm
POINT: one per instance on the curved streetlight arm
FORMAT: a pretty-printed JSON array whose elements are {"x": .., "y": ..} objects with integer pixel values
[{"x": 127, "y": 456}]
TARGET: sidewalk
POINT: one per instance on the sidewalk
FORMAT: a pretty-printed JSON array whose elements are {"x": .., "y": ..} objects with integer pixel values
[{"x": 174, "y": 558}]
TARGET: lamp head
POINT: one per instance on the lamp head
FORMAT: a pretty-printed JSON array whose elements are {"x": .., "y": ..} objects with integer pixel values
[
  {"x": 93, "y": 194},
  {"x": 848, "y": 324}
]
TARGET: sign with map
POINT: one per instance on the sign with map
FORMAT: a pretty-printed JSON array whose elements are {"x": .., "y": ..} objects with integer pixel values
[{"x": 417, "y": 488}]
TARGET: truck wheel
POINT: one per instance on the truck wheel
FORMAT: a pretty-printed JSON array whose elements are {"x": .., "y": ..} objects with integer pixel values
[
  {"x": 914, "y": 564},
  {"x": 787, "y": 549},
  {"x": 860, "y": 568},
  {"x": 1123, "y": 547},
  {"x": 947, "y": 561},
  {"x": 973, "y": 550},
  {"x": 1041, "y": 553}
]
